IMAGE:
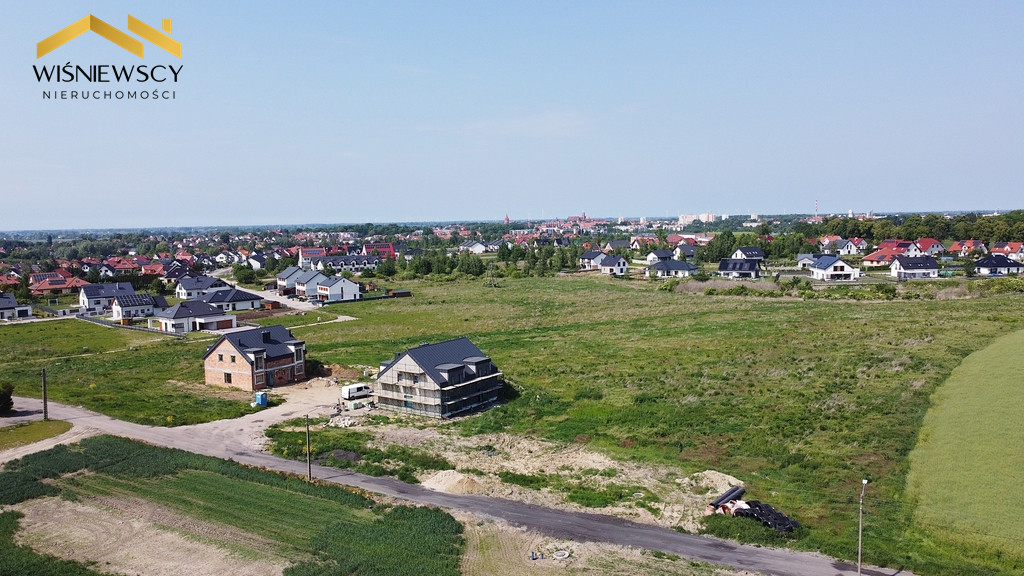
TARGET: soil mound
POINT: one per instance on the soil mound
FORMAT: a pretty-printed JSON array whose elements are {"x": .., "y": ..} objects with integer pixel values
[{"x": 453, "y": 482}]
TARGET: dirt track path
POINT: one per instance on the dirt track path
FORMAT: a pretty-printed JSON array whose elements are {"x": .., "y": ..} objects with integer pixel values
[{"x": 231, "y": 439}]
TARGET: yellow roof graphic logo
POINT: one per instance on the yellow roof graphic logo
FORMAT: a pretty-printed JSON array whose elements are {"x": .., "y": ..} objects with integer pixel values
[{"x": 133, "y": 45}]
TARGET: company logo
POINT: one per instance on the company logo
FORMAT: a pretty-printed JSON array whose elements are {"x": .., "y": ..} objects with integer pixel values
[{"x": 133, "y": 45}]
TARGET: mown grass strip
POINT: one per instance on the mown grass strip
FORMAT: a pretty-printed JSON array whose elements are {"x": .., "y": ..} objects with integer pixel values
[{"x": 31, "y": 432}]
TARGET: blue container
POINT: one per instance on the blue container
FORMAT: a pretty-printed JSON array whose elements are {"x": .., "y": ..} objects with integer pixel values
[{"x": 261, "y": 399}]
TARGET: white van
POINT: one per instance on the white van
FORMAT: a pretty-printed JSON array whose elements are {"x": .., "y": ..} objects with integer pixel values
[{"x": 354, "y": 391}]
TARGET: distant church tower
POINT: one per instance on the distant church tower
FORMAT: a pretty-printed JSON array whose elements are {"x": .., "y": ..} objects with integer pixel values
[{"x": 506, "y": 218}]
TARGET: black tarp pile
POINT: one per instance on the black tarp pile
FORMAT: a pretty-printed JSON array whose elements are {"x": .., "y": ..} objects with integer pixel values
[
  {"x": 767, "y": 515},
  {"x": 729, "y": 503}
]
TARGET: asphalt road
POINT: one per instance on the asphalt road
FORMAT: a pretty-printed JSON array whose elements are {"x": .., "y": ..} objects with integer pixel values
[{"x": 232, "y": 440}]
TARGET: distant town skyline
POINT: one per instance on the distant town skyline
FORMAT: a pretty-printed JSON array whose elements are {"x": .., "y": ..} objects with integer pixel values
[{"x": 460, "y": 111}]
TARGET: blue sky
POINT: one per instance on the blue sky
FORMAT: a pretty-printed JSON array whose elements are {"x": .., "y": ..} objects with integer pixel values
[{"x": 290, "y": 113}]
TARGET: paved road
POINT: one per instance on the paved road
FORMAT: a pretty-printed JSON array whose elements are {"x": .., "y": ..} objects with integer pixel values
[{"x": 231, "y": 439}]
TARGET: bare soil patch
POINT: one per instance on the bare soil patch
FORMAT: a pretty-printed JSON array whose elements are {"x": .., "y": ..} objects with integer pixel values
[
  {"x": 682, "y": 499},
  {"x": 138, "y": 537}
]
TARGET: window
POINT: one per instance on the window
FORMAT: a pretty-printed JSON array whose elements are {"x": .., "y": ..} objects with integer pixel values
[
  {"x": 227, "y": 378},
  {"x": 259, "y": 362},
  {"x": 220, "y": 357},
  {"x": 232, "y": 358}
]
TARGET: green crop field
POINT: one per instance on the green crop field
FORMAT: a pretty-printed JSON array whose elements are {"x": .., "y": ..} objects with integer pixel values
[
  {"x": 320, "y": 528},
  {"x": 31, "y": 432},
  {"x": 968, "y": 468}
]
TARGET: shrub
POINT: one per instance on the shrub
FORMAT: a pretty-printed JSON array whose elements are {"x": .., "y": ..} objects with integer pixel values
[{"x": 6, "y": 397}]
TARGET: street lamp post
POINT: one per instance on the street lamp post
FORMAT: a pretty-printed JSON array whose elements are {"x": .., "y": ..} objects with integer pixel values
[{"x": 860, "y": 524}]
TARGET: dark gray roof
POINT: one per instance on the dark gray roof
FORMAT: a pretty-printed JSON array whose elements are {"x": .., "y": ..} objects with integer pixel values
[
  {"x": 996, "y": 261},
  {"x": 751, "y": 252},
  {"x": 737, "y": 265},
  {"x": 200, "y": 282},
  {"x": 132, "y": 300},
  {"x": 190, "y": 309},
  {"x": 613, "y": 261},
  {"x": 917, "y": 262},
  {"x": 232, "y": 295},
  {"x": 289, "y": 272},
  {"x": 662, "y": 254},
  {"x": 672, "y": 265},
  {"x": 590, "y": 254},
  {"x": 823, "y": 261},
  {"x": 7, "y": 301},
  {"x": 433, "y": 358},
  {"x": 686, "y": 249},
  {"x": 107, "y": 290},
  {"x": 276, "y": 340},
  {"x": 308, "y": 277}
]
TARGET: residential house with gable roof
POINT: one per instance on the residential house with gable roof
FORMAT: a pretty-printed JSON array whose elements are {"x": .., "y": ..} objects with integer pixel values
[
  {"x": 614, "y": 265},
  {"x": 748, "y": 253},
  {"x": 306, "y": 283},
  {"x": 739, "y": 268},
  {"x": 658, "y": 256},
  {"x": 672, "y": 269},
  {"x": 439, "y": 380},
  {"x": 591, "y": 259},
  {"x": 191, "y": 316},
  {"x": 100, "y": 297},
  {"x": 1012, "y": 250},
  {"x": 929, "y": 247},
  {"x": 57, "y": 285},
  {"x": 232, "y": 300},
  {"x": 136, "y": 306},
  {"x": 964, "y": 248},
  {"x": 256, "y": 359},
  {"x": 914, "y": 267},
  {"x": 286, "y": 279},
  {"x": 192, "y": 287},
  {"x": 11, "y": 310},
  {"x": 337, "y": 289},
  {"x": 831, "y": 267}
]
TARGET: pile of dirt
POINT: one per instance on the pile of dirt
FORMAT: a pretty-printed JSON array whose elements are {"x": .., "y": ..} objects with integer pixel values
[
  {"x": 713, "y": 481},
  {"x": 453, "y": 482}
]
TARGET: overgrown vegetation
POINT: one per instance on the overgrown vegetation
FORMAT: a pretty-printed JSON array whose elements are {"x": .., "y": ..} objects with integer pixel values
[{"x": 343, "y": 448}]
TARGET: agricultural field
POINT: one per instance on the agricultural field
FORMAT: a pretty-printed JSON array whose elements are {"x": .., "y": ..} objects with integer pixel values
[
  {"x": 313, "y": 528},
  {"x": 88, "y": 509}
]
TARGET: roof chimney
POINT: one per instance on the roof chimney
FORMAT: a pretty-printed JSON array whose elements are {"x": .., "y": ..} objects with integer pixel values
[{"x": 266, "y": 335}]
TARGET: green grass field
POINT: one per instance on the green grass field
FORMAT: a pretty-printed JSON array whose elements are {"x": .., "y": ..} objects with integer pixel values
[
  {"x": 135, "y": 376},
  {"x": 967, "y": 471},
  {"x": 31, "y": 432}
]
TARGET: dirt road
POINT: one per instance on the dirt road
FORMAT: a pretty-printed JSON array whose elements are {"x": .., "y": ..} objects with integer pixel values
[{"x": 239, "y": 440}]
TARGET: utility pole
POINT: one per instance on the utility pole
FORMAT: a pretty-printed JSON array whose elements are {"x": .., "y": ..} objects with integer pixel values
[
  {"x": 46, "y": 415},
  {"x": 860, "y": 524},
  {"x": 309, "y": 462}
]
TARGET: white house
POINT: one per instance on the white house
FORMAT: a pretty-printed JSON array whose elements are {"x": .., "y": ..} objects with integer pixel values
[
  {"x": 831, "y": 267},
  {"x": 101, "y": 296},
  {"x": 232, "y": 300},
  {"x": 591, "y": 259},
  {"x": 190, "y": 316},
  {"x": 658, "y": 256},
  {"x": 472, "y": 246},
  {"x": 997, "y": 264},
  {"x": 191, "y": 287},
  {"x": 286, "y": 279},
  {"x": 614, "y": 266},
  {"x": 910, "y": 267},
  {"x": 737, "y": 268},
  {"x": 336, "y": 289},
  {"x": 10, "y": 309},
  {"x": 136, "y": 306},
  {"x": 671, "y": 269},
  {"x": 748, "y": 253},
  {"x": 305, "y": 285}
]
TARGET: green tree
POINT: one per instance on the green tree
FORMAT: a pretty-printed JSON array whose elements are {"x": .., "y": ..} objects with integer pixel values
[
  {"x": 157, "y": 287},
  {"x": 244, "y": 274},
  {"x": 387, "y": 268},
  {"x": 6, "y": 397}
]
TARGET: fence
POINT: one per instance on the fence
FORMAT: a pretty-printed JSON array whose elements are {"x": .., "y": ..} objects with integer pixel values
[{"x": 109, "y": 324}]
